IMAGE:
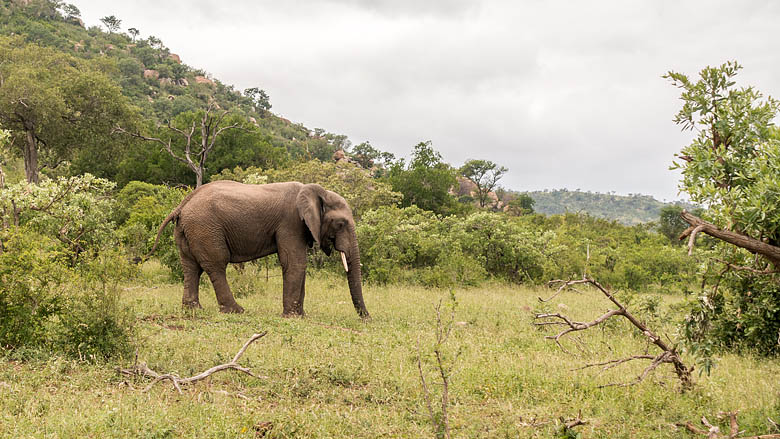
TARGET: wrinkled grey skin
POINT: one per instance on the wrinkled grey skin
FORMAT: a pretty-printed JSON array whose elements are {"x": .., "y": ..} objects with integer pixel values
[{"x": 224, "y": 222}]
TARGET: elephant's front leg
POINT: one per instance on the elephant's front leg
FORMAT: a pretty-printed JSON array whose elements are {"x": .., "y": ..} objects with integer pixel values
[{"x": 294, "y": 281}]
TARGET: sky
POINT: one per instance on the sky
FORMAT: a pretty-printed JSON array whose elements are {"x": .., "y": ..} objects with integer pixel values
[{"x": 566, "y": 94}]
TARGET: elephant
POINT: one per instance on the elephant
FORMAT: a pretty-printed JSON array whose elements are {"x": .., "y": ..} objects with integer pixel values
[{"x": 228, "y": 222}]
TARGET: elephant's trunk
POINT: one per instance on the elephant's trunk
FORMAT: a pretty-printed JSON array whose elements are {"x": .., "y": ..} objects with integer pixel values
[{"x": 354, "y": 276}]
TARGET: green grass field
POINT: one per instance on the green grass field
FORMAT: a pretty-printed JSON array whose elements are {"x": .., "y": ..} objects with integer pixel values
[{"x": 332, "y": 375}]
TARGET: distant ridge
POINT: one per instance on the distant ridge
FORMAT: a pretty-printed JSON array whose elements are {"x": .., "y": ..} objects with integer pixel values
[{"x": 629, "y": 209}]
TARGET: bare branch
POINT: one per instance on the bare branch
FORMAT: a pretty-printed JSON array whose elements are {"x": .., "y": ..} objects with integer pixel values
[
  {"x": 668, "y": 353},
  {"x": 143, "y": 370},
  {"x": 770, "y": 252},
  {"x": 713, "y": 431}
]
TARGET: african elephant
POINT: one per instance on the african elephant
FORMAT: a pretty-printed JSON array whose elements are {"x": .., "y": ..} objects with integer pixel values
[{"x": 226, "y": 221}]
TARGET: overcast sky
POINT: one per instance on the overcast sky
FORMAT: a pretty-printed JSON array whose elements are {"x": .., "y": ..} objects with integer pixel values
[{"x": 564, "y": 94}]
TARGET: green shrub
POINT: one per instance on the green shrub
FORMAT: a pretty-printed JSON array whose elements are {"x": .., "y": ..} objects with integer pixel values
[
  {"x": 145, "y": 207},
  {"x": 742, "y": 314},
  {"x": 94, "y": 325},
  {"x": 32, "y": 282}
]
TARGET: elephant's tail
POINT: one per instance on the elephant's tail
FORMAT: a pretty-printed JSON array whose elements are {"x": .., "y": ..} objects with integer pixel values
[{"x": 173, "y": 216}]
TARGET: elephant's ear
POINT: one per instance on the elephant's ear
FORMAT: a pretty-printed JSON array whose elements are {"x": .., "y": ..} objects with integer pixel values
[{"x": 309, "y": 204}]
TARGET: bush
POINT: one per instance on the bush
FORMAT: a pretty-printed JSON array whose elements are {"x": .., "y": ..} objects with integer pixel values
[
  {"x": 145, "y": 206},
  {"x": 94, "y": 325},
  {"x": 75, "y": 210},
  {"x": 416, "y": 245},
  {"x": 32, "y": 282},
  {"x": 742, "y": 314}
]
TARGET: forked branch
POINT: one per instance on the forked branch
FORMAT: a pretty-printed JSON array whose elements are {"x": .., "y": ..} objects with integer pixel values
[
  {"x": 713, "y": 431},
  {"x": 768, "y": 251},
  {"x": 667, "y": 354},
  {"x": 143, "y": 370}
]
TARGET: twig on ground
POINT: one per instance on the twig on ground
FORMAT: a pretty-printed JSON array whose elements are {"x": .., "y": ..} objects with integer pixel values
[
  {"x": 668, "y": 353},
  {"x": 713, "y": 431},
  {"x": 143, "y": 370}
]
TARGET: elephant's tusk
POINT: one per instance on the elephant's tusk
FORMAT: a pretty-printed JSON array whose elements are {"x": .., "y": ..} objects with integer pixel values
[{"x": 344, "y": 260}]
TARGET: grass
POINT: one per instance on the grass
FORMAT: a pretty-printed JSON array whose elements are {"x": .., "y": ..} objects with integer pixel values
[{"x": 332, "y": 375}]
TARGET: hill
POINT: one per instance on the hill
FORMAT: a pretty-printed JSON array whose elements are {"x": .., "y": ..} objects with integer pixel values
[
  {"x": 161, "y": 87},
  {"x": 626, "y": 209}
]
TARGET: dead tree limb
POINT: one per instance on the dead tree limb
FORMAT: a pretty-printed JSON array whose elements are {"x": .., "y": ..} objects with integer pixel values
[
  {"x": 768, "y": 251},
  {"x": 143, "y": 370},
  {"x": 713, "y": 431},
  {"x": 668, "y": 353},
  {"x": 195, "y": 153}
]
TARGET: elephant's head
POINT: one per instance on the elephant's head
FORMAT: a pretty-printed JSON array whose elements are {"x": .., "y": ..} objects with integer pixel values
[{"x": 329, "y": 219}]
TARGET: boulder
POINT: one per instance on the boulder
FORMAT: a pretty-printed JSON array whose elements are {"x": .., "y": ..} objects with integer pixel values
[
  {"x": 151, "y": 74},
  {"x": 174, "y": 57},
  {"x": 182, "y": 82},
  {"x": 203, "y": 80},
  {"x": 166, "y": 81}
]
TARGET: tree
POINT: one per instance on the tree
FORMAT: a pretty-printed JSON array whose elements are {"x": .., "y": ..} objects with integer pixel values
[
  {"x": 261, "y": 102},
  {"x": 133, "y": 33},
  {"x": 369, "y": 157},
  {"x": 731, "y": 167},
  {"x": 71, "y": 11},
  {"x": 521, "y": 205},
  {"x": 485, "y": 174},
  {"x": 111, "y": 23},
  {"x": 55, "y": 104},
  {"x": 197, "y": 134},
  {"x": 426, "y": 181}
]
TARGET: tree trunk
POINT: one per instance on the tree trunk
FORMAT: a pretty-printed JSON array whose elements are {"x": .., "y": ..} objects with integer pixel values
[
  {"x": 770, "y": 252},
  {"x": 30, "y": 153}
]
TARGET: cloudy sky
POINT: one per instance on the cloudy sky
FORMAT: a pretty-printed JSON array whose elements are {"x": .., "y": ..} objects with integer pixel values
[{"x": 564, "y": 93}]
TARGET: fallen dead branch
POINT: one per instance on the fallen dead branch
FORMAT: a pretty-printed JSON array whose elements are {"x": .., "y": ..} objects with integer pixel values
[
  {"x": 667, "y": 354},
  {"x": 143, "y": 370},
  {"x": 713, "y": 431}
]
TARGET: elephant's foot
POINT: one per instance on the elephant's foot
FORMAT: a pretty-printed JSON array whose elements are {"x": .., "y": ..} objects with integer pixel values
[
  {"x": 233, "y": 309},
  {"x": 293, "y": 314},
  {"x": 191, "y": 304}
]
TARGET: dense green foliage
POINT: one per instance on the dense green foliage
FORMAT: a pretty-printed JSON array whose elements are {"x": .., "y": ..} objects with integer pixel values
[
  {"x": 60, "y": 269},
  {"x": 59, "y": 107},
  {"x": 426, "y": 181},
  {"x": 418, "y": 246},
  {"x": 142, "y": 207},
  {"x": 732, "y": 168}
]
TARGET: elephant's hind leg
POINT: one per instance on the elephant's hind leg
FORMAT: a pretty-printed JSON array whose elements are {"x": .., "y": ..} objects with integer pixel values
[
  {"x": 224, "y": 296},
  {"x": 192, "y": 272}
]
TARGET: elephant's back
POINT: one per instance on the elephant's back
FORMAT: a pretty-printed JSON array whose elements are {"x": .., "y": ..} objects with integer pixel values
[{"x": 243, "y": 216}]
